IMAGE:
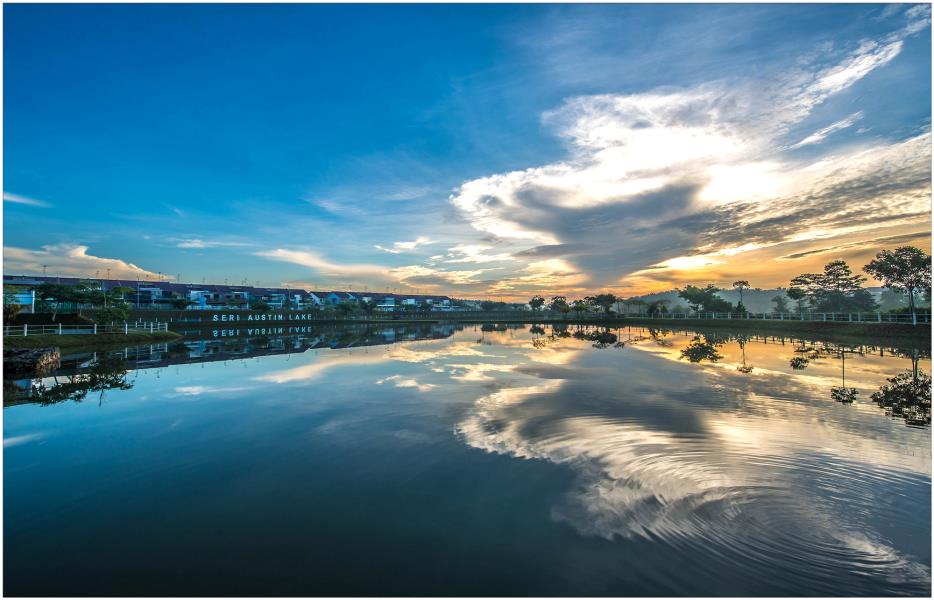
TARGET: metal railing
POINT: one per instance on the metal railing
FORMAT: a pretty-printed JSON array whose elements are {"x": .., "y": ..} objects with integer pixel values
[{"x": 89, "y": 329}]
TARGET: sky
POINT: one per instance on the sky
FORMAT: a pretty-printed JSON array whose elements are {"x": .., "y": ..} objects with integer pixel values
[{"x": 480, "y": 151}]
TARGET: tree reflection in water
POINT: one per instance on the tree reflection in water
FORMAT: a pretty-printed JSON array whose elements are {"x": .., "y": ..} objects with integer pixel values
[
  {"x": 560, "y": 331},
  {"x": 701, "y": 349},
  {"x": 907, "y": 395},
  {"x": 842, "y": 393},
  {"x": 799, "y": 363},
  {"x": 600, "y": 338},
  {"x": 741, "y": 340},
  {"x": 658, "y": 336},
  {"x": 108, "y": 372}
]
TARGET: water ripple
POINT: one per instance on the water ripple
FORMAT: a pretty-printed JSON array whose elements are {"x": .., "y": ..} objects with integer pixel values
[{"x": 747, "y": 501}]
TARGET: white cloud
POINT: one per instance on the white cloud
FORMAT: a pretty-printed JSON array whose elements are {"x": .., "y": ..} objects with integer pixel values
[
  {"x": 200, "y": 390},
  {"x": 409, "y": 275},
  {"x": 18, "y": 440},
  {"x": 315, "y": 261},
  {"x": 474, "y": 253},
  {"x": 819, "y": 135},
  {"x": 16, "y": 199},
  {"x": 402, "y": 382},
  {"x": 69, "y": 260},
  {"x": 195, "y": 243},
  {"x": 399, "y": 247},
  {"x": 335, "y": 207},
  {"x": 870, "y": 56},
  {"x": 409, "y": 193},
  {"x": 543, "y": 275},
  {"x": 427, "y": 276}
]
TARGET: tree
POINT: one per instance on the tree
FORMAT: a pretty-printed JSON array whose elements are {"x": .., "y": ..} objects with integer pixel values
[
  {"x": 781, "y": 303},
  {"x": 10, "y": 310},
  {"x": 536, "y": 302},
  {"x": 741, "y": 285},
  {"x": 657, "y": 306},
  {"x": 112, "y": 312},
  {"x": 796, "y": 294},
  {"x": 579, "y": 306},
  {"x": 119, "y": 293},
  {"x": 704, "y": 298},
  {"x": 603, "y": 301},
  {"x": 638, "y": 303},
  {"x": 345, "y": 308},
  {"x": 560, "y": 304},
  {"x": 260, "y": 305},
  {"x": 55, "y": 296},
  {"x": 424, "y": 307},
  {"x": 489, "y": 305},
  {"x": 907, "y": 269},
  {"x": 837, "y": 289},
  {"x": 368, "y": 306},
  {"x": 109, "y": 305},
  {"x": 693, "y": 295},
  {"x": 180, "y": 303}
]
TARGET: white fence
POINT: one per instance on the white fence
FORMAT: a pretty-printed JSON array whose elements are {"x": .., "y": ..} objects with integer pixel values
[
  {"x": 853, "y": 317},
  {"x": 573, "y": 316},
  {"x": 91, "y": 328}
]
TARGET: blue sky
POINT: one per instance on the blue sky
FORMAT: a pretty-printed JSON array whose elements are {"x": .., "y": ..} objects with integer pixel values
[{"x": 476, "y": 150}]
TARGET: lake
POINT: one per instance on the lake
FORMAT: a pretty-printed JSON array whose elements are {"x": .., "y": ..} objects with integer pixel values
[{"x": 472, "y": 460}]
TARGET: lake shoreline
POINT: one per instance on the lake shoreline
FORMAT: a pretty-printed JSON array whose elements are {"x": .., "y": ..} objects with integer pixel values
[
  {"x": 902, "y": 331},
  {"x": 886, "y": 334}
]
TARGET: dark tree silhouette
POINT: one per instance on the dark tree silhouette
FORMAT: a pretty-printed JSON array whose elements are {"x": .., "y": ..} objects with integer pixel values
[{"x": 907, "y": 269}]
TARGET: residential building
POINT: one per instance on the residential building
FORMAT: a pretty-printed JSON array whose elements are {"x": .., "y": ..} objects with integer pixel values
[{"x": 160, "y": 294}]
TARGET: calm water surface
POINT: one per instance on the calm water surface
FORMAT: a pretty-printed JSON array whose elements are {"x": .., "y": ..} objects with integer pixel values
[{"x": 470, "y": 461}]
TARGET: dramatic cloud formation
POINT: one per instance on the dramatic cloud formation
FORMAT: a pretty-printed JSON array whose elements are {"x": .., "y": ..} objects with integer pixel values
[
  {"x": 661, "y": 185},
  {"x": 69, "y": 260}
]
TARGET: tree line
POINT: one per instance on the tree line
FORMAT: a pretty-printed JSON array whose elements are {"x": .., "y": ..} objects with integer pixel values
[
  {"x": 106, "y": 305},
  {"x": 905, "y": 270}
]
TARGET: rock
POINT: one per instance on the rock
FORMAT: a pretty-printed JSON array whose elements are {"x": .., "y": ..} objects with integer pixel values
[{"x": 30, "y": 360}]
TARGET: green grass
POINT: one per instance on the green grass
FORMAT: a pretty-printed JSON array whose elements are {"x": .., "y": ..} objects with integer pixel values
[{"x": 89, "y": 341}]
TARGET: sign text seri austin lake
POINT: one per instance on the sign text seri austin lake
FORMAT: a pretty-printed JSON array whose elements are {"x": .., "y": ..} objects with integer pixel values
[{"x": 232, "y": 318}]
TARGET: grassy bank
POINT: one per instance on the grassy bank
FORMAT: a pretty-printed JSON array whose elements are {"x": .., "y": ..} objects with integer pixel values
[{"x": 89, "y": 341}]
